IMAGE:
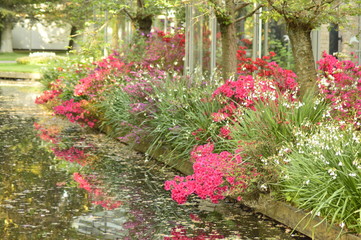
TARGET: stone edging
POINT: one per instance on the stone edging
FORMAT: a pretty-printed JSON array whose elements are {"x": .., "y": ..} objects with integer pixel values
[
  {"x": 280, "y": 211},
  {"x": 20, "y": 75}
]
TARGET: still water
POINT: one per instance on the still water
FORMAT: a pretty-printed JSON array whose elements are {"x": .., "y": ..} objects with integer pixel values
[{"x": 59, "y": 181}]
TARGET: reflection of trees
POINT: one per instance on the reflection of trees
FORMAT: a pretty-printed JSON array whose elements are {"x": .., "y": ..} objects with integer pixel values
[{"x": 32, "y": 206}]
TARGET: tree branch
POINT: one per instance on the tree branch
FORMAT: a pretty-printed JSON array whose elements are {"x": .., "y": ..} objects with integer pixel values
[
  {"x": 128, "y": 14},
  {"x": 240, "y": 6},
  {"x": 140, "y": 3},
  {"x": 249, "y": 14}
]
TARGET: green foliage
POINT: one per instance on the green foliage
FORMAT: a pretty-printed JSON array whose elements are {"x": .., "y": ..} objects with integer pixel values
[
  {"x": 313, "y": 13},
  {"x": 69, "y": 69},
  {"x": 323, "y": 174},
  {"x": 116, "y": 111},
  {"x": 183, "y": 115},
  {"x": 284, "y": 56},
  {"x": 263, "y": 132}
]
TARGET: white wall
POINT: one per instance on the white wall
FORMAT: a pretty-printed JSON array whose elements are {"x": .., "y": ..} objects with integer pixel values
[{"x": 41, "y": 36}]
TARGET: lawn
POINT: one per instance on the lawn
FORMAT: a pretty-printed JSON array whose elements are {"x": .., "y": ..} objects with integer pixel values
[
  {"x": 12, "y": 56},
  {"x": 14, "y": 67}
]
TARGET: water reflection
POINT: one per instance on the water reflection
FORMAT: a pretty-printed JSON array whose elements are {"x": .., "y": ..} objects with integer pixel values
[
  {"x": 59, "y": 181},
  {"x": 32, "y": 205}
]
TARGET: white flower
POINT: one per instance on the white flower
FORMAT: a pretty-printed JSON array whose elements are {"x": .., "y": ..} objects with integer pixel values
[
  {"x": 263, "y": 187},
  {"x": 352, "y": 174},
  {"x": 332, "y": 172}
]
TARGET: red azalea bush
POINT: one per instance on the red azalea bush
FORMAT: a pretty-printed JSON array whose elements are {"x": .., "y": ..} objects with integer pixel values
[
  {"x": 75, "y": 112},
  {"x": 258, "y": 80},
  {"x": 51, "y": 95},
  {"x": 166, "y": 50},
  {"x": 216, "y": 175},
  {"x": 102, "y": 77},
  {"x": 340, "y": 82}
]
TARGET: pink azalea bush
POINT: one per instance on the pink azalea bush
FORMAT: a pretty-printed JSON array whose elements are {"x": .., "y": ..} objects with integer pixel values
[
  {"x": 258, "y": 80},
  {"x": 75, "y": 112},
  {"x": 102, "y": 77},
  {"x": 215, "y": 176},
  {"x": 52, "y": 95},
  {"x": 340, "y": 82}
]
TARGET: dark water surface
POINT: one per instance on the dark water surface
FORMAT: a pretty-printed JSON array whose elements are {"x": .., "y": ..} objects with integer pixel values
[{"x": 59, "y": 181}]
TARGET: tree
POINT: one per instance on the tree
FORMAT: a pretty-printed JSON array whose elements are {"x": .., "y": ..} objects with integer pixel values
[
  {"x": 75, "y": 13},
  {"x": 11, "y": 11},
  {"x": 226, "y": 12},
  {"x": 301, "y": 17},
  {"x": 141, "y": 12}
]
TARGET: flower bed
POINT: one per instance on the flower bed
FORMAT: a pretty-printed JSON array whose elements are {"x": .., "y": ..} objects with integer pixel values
[{"x": 244, "y": 138}]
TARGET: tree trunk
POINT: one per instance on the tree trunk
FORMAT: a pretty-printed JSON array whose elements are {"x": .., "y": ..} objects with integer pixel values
[
  {"x": 6, "y": 44},
  {"x": 229, "y": 50},
  {"x": 115, "y": 33},
  {"x": 73, "y": 32},
  {"x": 300, "y": 36},
  {"x": 144, "y": 24},
  {"x": 229, "y": 39}
]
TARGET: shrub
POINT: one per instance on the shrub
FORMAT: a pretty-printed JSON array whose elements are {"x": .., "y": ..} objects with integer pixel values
[
  {"x": 181, "y": 116},
  {"x": 75, "y": 112},
  {"x": 107, "y": 73},
  {"x": 340, "y": 83},
  {"x": 258, "y": 80},
  {"x": 38, "y": 59},
  {"x": 64, "y": 74},
  {"x": 165, "y": 50},
  {"x": 324, "y": 174},
  {"x": 215, "y": 176},
  {"x": 117, "y": 113},
  {"x": 272, "y": 123}
]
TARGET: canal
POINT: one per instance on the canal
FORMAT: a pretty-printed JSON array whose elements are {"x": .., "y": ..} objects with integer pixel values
[{"x": 59, "y": 181}]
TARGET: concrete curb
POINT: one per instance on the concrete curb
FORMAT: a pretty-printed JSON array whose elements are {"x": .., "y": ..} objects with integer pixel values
[{"x": 20, "y": 75}]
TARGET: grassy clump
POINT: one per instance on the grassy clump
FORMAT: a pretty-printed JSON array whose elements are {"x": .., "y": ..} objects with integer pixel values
[
  {"x": 324, "y": 174},
  {"x": 37, "y": 60}
]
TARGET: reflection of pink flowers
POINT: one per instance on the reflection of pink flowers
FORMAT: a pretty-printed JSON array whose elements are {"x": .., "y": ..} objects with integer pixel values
[
  {"x": 100, "y": 198},
  {"x": 180, "y": 233},
  {"x": 71, "y": 154},
  {"x": 47, "y": 96},
  {"x": 48, "y": 134}
]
